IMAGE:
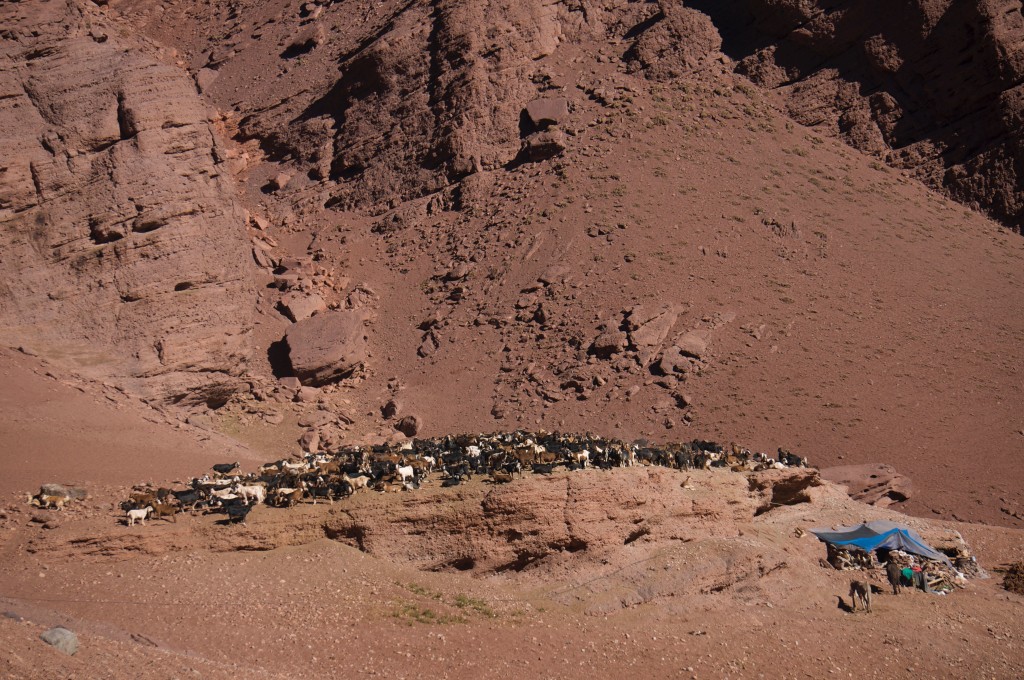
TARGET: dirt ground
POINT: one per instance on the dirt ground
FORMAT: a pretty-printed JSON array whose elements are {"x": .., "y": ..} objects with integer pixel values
[{"x": 634, "y": 573}]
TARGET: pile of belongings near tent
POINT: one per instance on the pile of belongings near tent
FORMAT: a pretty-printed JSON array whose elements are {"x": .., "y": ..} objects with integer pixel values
[
  {"x": 451, "y": 460},
  {"x": 922, "y": 566}
]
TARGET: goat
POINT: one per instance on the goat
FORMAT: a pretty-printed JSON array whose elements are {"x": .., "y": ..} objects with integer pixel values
[
  {"x": 139, "y": 514},
  {"x": 256, "y": 492},
  {"x": 188, "y": 499},
  {"x": 317, "y": 488},
  {"x": 581, "y": 458},
  {"x": 405, "y": 473},
  {"x": 47, "y": 501},
  {"x": 141, "y": 499},
  {"x": 225, "y": 468},
  {"x": 162, "y": 510},
  {"x": 223, "y": 494},
  {"x": 238, "y": 511},
  {"x": 860, "y": 591},
  {"x": 390, "y": 487},
  {"x": 287, "y": 497},
  {"x": 357, "y": 482}
]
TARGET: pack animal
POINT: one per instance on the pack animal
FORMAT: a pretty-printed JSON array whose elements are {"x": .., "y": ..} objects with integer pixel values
[
  {"x": 860, "y": 591},
  {"x": 895, "y": 575}
]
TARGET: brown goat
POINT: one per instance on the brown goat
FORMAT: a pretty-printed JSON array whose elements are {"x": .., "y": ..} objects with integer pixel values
[{"x": 166, "y": 510}]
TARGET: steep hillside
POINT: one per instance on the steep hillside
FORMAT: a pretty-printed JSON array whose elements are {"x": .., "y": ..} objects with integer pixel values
[
  {"x": 474, "y": 218},
  {"x": 932, "y": 86}
]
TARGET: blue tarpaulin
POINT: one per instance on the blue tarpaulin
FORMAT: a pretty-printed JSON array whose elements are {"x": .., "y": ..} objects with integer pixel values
[{"x": 880, "y": 534}]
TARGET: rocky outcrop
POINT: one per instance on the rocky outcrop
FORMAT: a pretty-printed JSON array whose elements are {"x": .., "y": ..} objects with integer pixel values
[
  {"x": 122, "y": 249},
  {"x": 872, "y": 483},
  {"x": 933, "y": 86},
  {"x": 431, "y": 95},
  {"x": 677, "y": 41}
]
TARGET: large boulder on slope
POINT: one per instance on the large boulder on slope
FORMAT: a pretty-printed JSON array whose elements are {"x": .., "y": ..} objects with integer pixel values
[{"x": 327, "y": 347}]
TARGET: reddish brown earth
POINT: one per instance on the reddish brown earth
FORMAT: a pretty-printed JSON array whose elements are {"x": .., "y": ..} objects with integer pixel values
[{"x": 193, "y": 192}]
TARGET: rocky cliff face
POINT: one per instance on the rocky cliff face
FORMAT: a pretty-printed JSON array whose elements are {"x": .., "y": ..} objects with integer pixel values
[
  {"x": 123, "y": 250},
  {"x": 932, "y": 86},
  {"x": 428, "y": 93}
]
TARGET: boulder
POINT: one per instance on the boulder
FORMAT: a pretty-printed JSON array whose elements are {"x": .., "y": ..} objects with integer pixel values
[
  {"x": 54, "y": 490},
  {"x": 307, "y": 395},
  {"x": 200, "y": 420},
  {"x": 390, "y": 409},
  {"x": 692, "y": 344},
  {"x": 409, "y": 425},
  {"x": 61, "y": 638},
  {"x": 672, "y": 361},
  {"x": 547, "y": 111},
  {"x": 543, "y": 145},
  {"x": 327, "y": 347},
  {"x": 310, "y": 441},
  {"x": 299, "y": 306},
  {"x": 608, "y": 344},
  {"x": 683, "y": 41},
  {"x": 649, "y": 328},
  {"x": 279, "y": 182},
  {"x": 872, "y": 483},
  {"x": 315, "y": 419},
  {"x": 556, "y": 273},
  {"x": 290, "y": 382},
  {"x": 205, "y": 78}
]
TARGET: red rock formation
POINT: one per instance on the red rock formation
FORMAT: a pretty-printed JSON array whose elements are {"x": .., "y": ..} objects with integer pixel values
[
  {"x": 123, "y": 248},
  {"x": 930, "y": 85}
]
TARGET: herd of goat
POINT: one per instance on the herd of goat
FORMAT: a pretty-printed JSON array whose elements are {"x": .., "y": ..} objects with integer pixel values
[{"x": 405, "y": 467}]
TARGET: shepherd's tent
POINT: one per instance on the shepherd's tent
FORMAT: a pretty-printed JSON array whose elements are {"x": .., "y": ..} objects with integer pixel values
[{"x": 880, "y": 534}]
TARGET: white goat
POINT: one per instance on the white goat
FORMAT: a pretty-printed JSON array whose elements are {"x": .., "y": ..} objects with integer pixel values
[
  {"x": 358, "y": 482},
  {"x": 405, "y": 472},
  {"x": 139, "y": 514},
  {"x": 224, "y": 494},
  {"x": 255, "y": 492}
]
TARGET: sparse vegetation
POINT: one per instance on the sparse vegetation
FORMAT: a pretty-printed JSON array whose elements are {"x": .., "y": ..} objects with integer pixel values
[
  {"x": 475, "y": 604},
  {"x": 412, "y": 613},
  {"x": 1013, "y": 580}
]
